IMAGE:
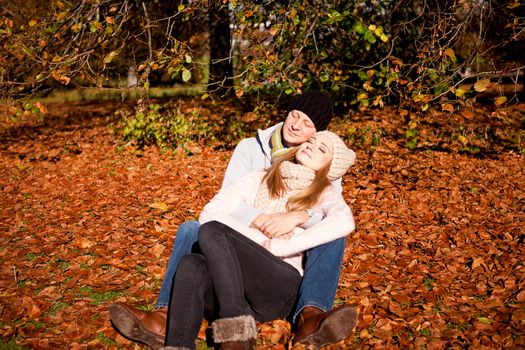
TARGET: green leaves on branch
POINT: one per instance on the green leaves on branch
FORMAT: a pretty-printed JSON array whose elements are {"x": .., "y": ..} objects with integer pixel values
[{"x": 164, "y": 128}]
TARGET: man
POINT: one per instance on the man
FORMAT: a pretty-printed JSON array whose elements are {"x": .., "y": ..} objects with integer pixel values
[{"x": 317, "y": 324}]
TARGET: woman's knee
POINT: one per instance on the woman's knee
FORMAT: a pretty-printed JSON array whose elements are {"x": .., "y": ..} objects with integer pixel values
[
  {"x": 191, "y": 262},
  {"x": 209, "y": 233}
]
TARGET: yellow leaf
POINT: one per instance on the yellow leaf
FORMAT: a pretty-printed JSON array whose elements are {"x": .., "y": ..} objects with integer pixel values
[
  {"x": 464, "y": 142},
  {"x": 186, "y": 75},
  {"x": 450, "y": 53},
  {"x": 109, "y": 57},
  {"x": 484, "y": 320},
  {"x": 205, "y": 96},
  {"x": 500, "y": 100},
  {"x": 159, "y": 205},
  {"x": 459, "y": 92},
  {"x": 32, "y": 22},
  {"x": 239, "y": 92},
  {"x": 372, "y": 27},
  {"x": 482, "y": 85},
  {"x": 180, "y": 7},
  {"x": 362, "y": 96}
]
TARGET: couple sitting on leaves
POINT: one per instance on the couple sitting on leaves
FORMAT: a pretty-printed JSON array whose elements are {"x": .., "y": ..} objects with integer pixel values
[{"x": 269, "y": 245}]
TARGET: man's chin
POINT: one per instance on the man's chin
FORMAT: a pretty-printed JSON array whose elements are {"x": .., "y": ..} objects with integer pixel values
[{"x": 292, "y": 141}]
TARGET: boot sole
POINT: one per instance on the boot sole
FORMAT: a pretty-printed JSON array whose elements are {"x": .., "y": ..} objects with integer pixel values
[
  {"x": 332, "y": 329},
  {"x": 130, "y": 327}
]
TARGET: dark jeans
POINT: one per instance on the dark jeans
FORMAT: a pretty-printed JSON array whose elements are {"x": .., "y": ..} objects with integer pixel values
[
  {"x": 320, "y": 280},
  {"x": 233, "y": 276}
]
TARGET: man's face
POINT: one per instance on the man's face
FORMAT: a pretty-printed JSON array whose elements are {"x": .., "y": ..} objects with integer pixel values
[
  {"x": 297, "y": 128},
  {"x": 316, "y": 152}
]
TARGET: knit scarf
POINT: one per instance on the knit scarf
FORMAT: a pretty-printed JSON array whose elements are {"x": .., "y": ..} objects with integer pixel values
[
  {"x": 276, "y": 144},
  {"x": 296, "y": 177}
]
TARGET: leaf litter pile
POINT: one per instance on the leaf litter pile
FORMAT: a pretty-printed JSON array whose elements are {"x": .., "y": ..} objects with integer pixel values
[{"x": 436, "y": 262}]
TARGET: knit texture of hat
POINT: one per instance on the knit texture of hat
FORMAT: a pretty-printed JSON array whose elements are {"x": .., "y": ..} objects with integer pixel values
[
  {"x": 343, "y": 157},
  {"x": 316, "y": 105}
]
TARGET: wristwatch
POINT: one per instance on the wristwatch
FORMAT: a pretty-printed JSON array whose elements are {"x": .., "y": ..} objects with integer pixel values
[{"x": 309, "y": 212}]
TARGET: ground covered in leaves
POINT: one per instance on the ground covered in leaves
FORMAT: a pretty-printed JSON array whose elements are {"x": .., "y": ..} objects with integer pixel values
[{"x": 436, "y": 262}]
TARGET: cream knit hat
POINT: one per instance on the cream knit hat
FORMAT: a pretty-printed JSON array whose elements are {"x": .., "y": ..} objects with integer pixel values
[{"x": 343, "y": 157}]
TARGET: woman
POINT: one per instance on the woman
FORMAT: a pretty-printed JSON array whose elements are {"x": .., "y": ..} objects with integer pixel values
[{"x": 241, "y": 275}]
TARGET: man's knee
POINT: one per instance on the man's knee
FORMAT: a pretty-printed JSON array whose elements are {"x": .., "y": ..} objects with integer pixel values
[{"x": 188, "y": 231}]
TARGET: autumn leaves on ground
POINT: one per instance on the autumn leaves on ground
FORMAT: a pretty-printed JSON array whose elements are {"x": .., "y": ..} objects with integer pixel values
[{"x": 436, "y": 262}]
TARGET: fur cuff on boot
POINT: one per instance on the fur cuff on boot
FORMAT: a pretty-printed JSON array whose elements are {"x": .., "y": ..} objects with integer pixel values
[{"x": 241, "y": 328}]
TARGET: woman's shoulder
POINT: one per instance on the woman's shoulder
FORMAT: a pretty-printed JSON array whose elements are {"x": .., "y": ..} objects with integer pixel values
[
  {"x": 253, "y": 176},
  {"x": 331, "y": 194}
]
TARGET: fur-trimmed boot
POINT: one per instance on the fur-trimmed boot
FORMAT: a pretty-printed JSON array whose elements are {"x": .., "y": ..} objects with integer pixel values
[{"x": 235, "y": 333}]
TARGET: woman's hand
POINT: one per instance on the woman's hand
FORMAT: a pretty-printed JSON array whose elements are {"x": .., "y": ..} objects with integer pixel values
[{"x": 281, "y": 225}]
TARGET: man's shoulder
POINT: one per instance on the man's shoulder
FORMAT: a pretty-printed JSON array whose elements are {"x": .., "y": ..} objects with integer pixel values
[
  {"x": 263, "y": 135},
  {"x": 247, "y": 144}
]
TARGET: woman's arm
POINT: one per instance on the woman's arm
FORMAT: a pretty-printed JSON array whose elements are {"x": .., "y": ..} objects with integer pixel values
[
  {"x": 222, "y": 205},
  {"x": 338, "y": 222}
]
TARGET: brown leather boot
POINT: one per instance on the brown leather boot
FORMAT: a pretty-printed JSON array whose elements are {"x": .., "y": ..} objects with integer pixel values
[
  {"x": 317, "y": 328},
  {"x": 148, "y": 327}
]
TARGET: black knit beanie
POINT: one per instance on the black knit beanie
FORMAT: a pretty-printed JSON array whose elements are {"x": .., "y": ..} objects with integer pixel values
[{"x": 316, "y": 105}]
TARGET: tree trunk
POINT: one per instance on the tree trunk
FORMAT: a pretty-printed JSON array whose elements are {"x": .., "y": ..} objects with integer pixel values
[{"x": 221, "y": 66}]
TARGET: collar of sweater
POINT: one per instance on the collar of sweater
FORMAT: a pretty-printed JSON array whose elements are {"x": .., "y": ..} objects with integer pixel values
[{"x": 296, "y": 176}]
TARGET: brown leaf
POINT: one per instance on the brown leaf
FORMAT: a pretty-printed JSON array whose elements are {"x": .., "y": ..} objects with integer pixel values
[{"x": 32, "y": 307}]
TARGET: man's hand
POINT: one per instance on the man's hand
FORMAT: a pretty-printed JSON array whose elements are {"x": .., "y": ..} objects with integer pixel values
[
  {"x": 259, "y": 220},
  {"x": 281, "y": 225}
]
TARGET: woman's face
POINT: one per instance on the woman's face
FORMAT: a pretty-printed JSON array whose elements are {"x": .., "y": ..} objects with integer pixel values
[
  {"x": 316, "y": 152},
  {"x": 297, "y": 128}
]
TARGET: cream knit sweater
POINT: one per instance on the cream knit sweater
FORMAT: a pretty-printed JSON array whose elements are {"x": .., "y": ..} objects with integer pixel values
[{"x": 338, "y": 221}]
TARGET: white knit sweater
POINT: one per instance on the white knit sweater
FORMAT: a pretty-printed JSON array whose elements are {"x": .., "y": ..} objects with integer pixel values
[{"x": 338, "y": 221}]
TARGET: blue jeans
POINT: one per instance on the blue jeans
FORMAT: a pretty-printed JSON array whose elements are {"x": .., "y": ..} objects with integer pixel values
[
  {"x": 320, "y": 279},
  {"x": 185, "y": 239}
]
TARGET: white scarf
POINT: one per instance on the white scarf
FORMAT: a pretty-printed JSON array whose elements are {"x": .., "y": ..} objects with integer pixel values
[{"x": 296, "y": 177}]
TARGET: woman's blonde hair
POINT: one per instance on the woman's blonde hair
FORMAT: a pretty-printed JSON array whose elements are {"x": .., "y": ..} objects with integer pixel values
[{"x": 309, "y": 197}]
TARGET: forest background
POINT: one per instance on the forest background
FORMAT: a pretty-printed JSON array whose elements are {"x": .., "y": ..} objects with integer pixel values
[{"x": 114, "y": 112}]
